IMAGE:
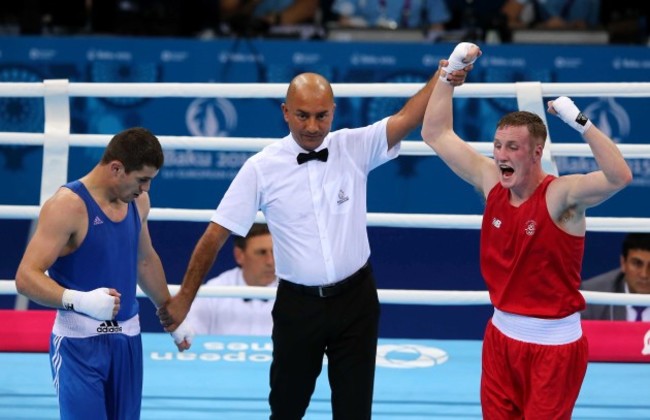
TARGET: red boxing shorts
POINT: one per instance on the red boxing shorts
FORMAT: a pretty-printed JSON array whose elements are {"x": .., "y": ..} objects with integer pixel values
[{"x": 532, "y": 381}]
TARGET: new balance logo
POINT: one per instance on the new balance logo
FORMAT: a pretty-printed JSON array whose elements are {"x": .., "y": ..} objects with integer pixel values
[
  {"x": 109, "y": 327},
  {"x": 97, "y": 221}
]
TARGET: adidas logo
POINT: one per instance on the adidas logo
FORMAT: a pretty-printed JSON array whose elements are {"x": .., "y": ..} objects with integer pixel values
[
  {"x": 97, "y": 221},
  {"x": 109, "y": 327}
]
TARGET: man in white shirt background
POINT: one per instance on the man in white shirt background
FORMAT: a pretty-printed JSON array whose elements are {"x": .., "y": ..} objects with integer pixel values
[{"x": 240, "y": 316}]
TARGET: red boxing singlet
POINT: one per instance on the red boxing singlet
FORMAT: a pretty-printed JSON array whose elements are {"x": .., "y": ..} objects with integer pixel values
[{"x": 530, "y": 265}]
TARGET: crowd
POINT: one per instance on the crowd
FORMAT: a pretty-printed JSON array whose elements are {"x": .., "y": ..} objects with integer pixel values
[{"x": 625, "y": 21}]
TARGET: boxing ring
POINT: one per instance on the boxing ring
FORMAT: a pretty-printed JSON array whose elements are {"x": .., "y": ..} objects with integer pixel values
[{"x": 227, "y": 377}]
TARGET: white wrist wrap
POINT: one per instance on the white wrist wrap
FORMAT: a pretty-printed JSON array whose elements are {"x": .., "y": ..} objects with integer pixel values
[
  {"x": 570, "y": 114},
  {"x": 97, "y": 303},
  {"x": 183, "y": 332},
  {"x": 458, "y": 59}
]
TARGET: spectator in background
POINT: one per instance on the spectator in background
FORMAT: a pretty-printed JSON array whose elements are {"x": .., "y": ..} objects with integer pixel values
[
  {"x": 626, "y": 21},
  {"x": 200, "y": 18},
  {"x": 147, "y": 17},
  {"x": 36, "y": 17},
  {"x": 256, "y": 16},
  {"x": 430, "y": 15},
  {"x": 237, "y": 316},
  {"x": 477, "y": 18},
  {"x": 633, "y": 276},
  {"x": 327, "y": 12},
  {"x": 552, "y": 14}
]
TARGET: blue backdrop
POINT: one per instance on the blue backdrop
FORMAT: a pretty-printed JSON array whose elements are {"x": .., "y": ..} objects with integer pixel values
[{"x": 403, "y": 258}]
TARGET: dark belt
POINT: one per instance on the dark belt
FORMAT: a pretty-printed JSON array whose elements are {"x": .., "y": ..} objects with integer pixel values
[{"x": 333, "y": 289}]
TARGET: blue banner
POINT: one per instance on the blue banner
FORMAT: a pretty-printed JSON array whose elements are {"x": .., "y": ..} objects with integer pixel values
[
  {"x": 409, "y": 184},
  {"x": 202, "y": 176}
]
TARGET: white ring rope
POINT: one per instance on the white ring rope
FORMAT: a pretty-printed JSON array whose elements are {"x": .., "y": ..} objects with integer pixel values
[
  {"x": 403, "y": 220},
  {"x": 55, "y": 92},
  {"x": 358, "y": 90},
  {"x": 391, "y": 296},
  {"x": 254, "y": 144}
]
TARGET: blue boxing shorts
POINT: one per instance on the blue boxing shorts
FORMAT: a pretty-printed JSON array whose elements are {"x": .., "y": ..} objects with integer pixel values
[{"x": 98, "y": 377}]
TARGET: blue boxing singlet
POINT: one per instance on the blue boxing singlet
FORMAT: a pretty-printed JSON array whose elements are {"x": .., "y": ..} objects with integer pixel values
[{"x": 107, "y": 257}]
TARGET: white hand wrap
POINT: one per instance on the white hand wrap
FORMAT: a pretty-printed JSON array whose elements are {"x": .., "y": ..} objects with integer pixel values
[
  {"x": 458, "y": 59},
  {"x": 570, "y": 114},
  {"x": 183, "y": 332},
  {"x": 97, "y": 303}
]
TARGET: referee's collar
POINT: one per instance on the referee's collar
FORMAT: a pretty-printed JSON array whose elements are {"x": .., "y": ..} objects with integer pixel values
[{"x": 295, "y": 148}]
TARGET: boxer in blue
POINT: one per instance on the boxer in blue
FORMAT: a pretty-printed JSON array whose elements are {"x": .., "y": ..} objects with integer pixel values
[{"x": 89, "y": 252}]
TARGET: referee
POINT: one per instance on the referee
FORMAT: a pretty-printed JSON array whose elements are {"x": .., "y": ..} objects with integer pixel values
[{"x": 311, "y": 187}]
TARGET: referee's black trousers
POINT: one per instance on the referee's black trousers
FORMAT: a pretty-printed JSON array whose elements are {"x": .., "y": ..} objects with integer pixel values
[{"x": 305, "y": 328}]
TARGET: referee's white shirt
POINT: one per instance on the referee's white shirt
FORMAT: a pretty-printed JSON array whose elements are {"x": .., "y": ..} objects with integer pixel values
[
  {"x": 316, "y": 211},
  {"x": 231, "y": 316}
]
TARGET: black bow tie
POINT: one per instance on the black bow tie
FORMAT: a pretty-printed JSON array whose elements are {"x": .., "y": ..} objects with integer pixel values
[{"x": 306, "y": 157}]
